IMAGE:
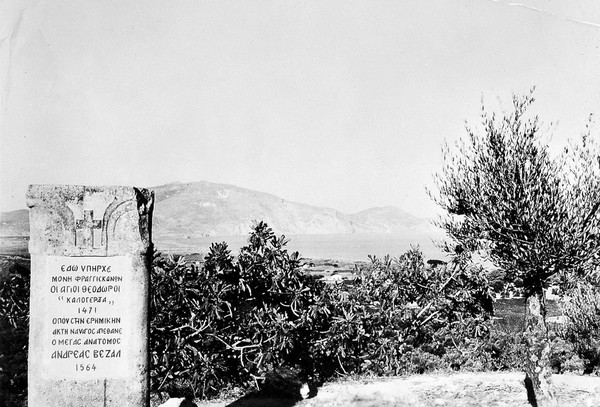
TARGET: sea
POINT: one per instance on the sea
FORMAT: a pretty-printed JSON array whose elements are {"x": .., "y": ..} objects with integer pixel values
[{"x": 351, "y": 247}]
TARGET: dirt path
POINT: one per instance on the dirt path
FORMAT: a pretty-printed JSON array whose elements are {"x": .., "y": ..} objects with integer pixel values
[{"x": 461, "y": 389}]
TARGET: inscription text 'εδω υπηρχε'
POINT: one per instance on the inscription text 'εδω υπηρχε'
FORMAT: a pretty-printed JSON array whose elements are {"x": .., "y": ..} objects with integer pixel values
[{"x": 87, "y": 314}]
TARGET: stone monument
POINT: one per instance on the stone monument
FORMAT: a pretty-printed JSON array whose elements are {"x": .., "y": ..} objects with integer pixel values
[{"x": 91, "y": 250}]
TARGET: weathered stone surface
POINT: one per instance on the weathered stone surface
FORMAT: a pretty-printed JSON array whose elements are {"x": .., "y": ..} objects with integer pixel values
[{"x": 90, "y": 257}]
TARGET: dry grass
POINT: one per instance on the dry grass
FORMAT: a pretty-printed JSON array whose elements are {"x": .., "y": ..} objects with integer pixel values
[
  {"x": 466, "y": 389},
  {"x": 451, "y": 390}
]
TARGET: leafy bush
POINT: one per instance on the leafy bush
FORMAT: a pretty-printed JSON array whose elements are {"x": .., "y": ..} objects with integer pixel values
[
  {"x": 228, "y": 323},
  {"x": 232, "y": 321},
  {"x": 14, "y": 331},
  {"x": 582, "y": 309},
  {"x": 401, "y": 317},
  {"x": 564, "y": 357},
  {"x": 502, "y": 350}
]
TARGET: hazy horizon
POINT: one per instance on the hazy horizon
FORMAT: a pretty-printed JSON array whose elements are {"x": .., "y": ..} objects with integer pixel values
[
  {"x": 335, "y": 104},
  {"x": 236, "y": 186}
]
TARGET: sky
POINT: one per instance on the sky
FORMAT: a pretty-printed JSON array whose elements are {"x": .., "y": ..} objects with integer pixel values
[{"x": 343, "y": 104}]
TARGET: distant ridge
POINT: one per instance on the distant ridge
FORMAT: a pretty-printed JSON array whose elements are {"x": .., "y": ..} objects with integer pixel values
[
  {"x": 186, "y": 210},
  {"x": 205, "y": 208},
  {"x": 14, "y": 223}
]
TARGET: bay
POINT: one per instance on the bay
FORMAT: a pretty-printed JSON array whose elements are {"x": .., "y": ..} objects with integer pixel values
[{"x": 352, "y": 247}]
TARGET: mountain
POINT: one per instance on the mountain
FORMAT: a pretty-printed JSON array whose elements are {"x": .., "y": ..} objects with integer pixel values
[
  {"x": 14, "y": 223},
  {"x": 208, "y": 209},
  {"x": 388, "y": 219},
  {"x": 204, "y": 208}
]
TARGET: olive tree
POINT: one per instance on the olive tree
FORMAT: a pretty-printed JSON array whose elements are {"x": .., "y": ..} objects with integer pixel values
[{"x": 509, "y": 201}]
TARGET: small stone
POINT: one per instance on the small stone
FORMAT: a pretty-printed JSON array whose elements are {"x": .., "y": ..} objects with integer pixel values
[
  {"x": 305, "y": 391},
  {"x": 173, "y": 402},
  {"x": 178, "y": 402}
]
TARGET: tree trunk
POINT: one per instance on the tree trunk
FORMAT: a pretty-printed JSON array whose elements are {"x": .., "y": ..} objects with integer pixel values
[{"x": 537, "y": 365}]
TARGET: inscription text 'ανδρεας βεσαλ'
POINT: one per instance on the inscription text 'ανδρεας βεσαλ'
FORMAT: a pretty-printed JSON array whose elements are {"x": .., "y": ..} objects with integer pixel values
[{"x": 87, "y": 304}]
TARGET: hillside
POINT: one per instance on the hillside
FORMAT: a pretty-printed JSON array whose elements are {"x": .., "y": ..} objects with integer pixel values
[
  {"x": 14, "y": 223},
  {"x": 208, "y": 209}
]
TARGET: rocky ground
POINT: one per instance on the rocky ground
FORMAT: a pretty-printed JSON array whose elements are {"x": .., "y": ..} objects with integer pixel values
[{"x": 451, "y": 390}]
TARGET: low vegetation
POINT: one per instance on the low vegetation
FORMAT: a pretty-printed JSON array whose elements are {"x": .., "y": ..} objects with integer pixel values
[
  {"x": 14, "y": 331},
  {"x": 225, "y": 323},
  {"x": 583, "y": 333},
  {"x": 230, "y": 322}
]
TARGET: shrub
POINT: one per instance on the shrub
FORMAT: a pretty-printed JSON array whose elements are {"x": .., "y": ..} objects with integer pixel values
[
  {"x": 14, "y": 331},
  {"x": 502, "y": 350},
  {"x": 401, "y": 317},
  {"x": 232, "y": 321},
  {"x": 582, "y": 308},
  {"x": 564, "y": 357},
  {"x": 228, "y": 323}
]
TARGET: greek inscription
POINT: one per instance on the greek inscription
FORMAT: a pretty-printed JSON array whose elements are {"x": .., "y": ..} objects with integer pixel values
[
  {"x": 69, "y": 289},
  {"x": 107, "y": 353},
  {"x": 96, "y": 268},
  {"x": 87, "y": 299},
  {"x": 68, "y": 354}
]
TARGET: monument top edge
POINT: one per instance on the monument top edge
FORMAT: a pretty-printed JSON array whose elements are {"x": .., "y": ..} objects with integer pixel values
[{"x": 66, "y": 192}]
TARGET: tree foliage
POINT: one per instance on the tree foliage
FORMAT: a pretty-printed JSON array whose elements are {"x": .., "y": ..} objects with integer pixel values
[{"x": 508, "y": 199}]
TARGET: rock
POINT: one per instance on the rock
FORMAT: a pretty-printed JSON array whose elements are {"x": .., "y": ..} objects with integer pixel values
[
  {"x": 174, "y": 402},
  {"x": 305, "y": 391},
  {"x": 178, "y": 402}
]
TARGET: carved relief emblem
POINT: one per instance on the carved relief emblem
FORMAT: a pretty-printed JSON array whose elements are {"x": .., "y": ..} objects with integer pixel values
[
  {"x": 89, "y": 222},
  {"x": 88, "y": 231}
]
